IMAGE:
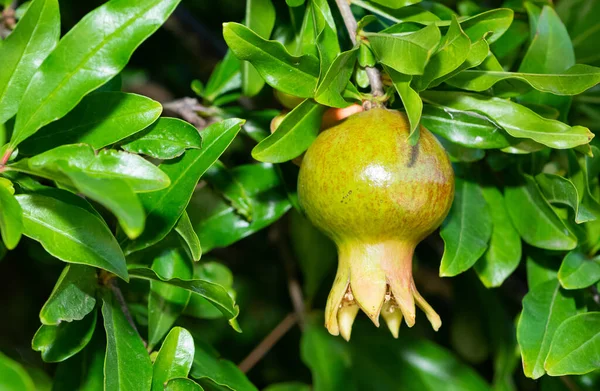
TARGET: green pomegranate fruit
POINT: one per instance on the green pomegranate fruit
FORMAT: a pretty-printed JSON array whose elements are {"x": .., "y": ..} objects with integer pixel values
[{"x": 377, "y": 197}]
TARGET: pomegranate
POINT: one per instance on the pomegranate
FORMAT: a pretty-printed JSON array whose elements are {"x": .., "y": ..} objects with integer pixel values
[{"x": 376, "y": 197}]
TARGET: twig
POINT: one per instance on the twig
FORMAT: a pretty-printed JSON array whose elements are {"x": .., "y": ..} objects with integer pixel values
[
  {"x": 119, "y": 296},
  {"x": 188, "y": 109},
  {"x": 569, "y": 383},
  {"x": 351, "y": 25},
  {"x": 294, "y": 287},
  {"x": 266, "y": 344}
]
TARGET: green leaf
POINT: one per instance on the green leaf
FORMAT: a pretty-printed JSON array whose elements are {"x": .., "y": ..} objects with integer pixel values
[
  {"x": 221, "y": 179},
  {"x": 127, "y": 364},
  {"x": 22, "y": 52},
  {"x": 13, "y": 377},
  {"x": 451, "y": 53},
  {"x": 466, "y": 128},
  {"x": 73, "y": 296},
  {"x": 291, "y": 386},
  {"x": 517, "y": 120},
  {"x": 217, "y": 273},
  {"x": 578, "y": 271},
  {"x": 71, "y": 234},
  {"x": 573, "y": 81},
  {"x": 207, "y": 368},
  {"x": 467, "y": 229},
  {"x": 100, "y": 119},
  {"x": 260, "y": 18},
  {"x": 58, "y": 343},
  {"x": 326, "y": 35},
  {"x": 167, "y": 302},
  {"x": 545, "y": 307},
  {"x": 496, "y": 21},
  {"x": 296, "y": 76},
  {"x": 185, "y": 229},
  {"x": 294, "y": 3},
  {"x": 410, "y": 99},
  {"x": 528, "y": 208},
  {"x": 11, "y": 218},
  {"x": 560, "y": 190},
  {"x": 219, "y": 225},
  {"x": 293, "y": 136},
  {"x": 114, "y": 194},
  {"x": 408, "y": 53},
  {"x": 210, "y": 291},
  {"x": 334, "y": 82},
  {"x": 181, "y": 384},
  {"x": 104, "y": 41},
  {"x": 85, "y": 371},
  {"x": 137, "y": 172},
  {"x": 582, "y": 24},
  {"x": 504, "y": 252},
  {"x": 575, "y": 346},
  {"x": 225, "y": 77},
  {"x": 540, "y": 269},
  {"x": 458, "y": 153},
  {"x": 174, "y": 358},
  {"x": 477, "y": 55},
  {"x": 166, "y": 138},
  {"x": 396, "y": 3},
  {"x": 405, "y": 14},
  {"x": 550, "y": 52},
  {"x": 165, "y": 207}
]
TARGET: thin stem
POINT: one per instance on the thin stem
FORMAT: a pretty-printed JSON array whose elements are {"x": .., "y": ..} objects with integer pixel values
[
  {"x": 351, "y": 25},
  {"x": 266, "y": 344},
  {"x": 123, "y": 304}
]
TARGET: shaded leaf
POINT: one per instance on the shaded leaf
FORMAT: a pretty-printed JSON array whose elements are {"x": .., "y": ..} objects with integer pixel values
[
  {"x": 58, "y": 343},
  {"x": 411, "y": 101},
  {"x": 71, "y": 234},
  {"x": 222, "y": 180},
  {"x": 560, "y": 190},
  {"x": 92, "y": 53},
  {"x": 100, "y": 119},
  {"x": 545, "y": 307},
  {"x": 73, "y": 296},
  {"x": 260, "y": 18},
  {"x": 467, "y": 229},
  {"x": 218, "y": 372},
  {"x": 225, "y": 77},
  {"x": 22, "y": 52},
  {"x": 185, "y": 229},
  {"x": 217, "y": 273},
  {"x": 293, "y": 136}
]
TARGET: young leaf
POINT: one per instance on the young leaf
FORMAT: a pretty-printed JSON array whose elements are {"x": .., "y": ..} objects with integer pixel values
[
  {"x": 11, "y": 218},
  {"x": 13, "y": 377},
  {"x": 73, "y": 296},
  {"x": 467, "y": 229},
  {"x": 293, "y": 136},
  {"x": 58, "y": 343},
  {"x": 560, "y": 190},
  {"x": 186, "y": 231},
  {"x": 334, "y": 82},
  {"x": 22, "y": 52},
  {"x": 517, "y": 120},
  {"x": 210, "y": 291},
  {"x": 504, "y": 252},
  {"x": 528, "y": 209},
  {"x": 166, "y": 138},
  {"x": 296, "y": 76},
  {"x": 545, "y": 307},
  {"x": 410, "y": 99},
  {"x": 465, "y": 128},
  {"x": 71, "y": 234},
  {"x": 127, "y": 364},
  {"x": 100, "y": 119},
  {"x": 218, "y": 224},
  {"x": 326, "y": 35},
  {"x": 573, "y": 81},
  {"x": 167, "y": 302},
  {"x": 164, "y": 207},
  {"x": 92, "y": 53},
  {"x": 578, "y": 271},
  {"x": 393, "y": 50},
  {"x": 452, "y": 52},
  {"x": 225, "y": 77},
  {"x": 140, "y": 174},
  {"x": 575, "y": 346},
  {"x": 221, "y": 179},
  {"x": 174, "y": 358},
  {"x": 219, "y": 372},
  {"x": 260, "y": 18}
]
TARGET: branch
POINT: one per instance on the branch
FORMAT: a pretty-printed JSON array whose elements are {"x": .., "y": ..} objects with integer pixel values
[
  {"x": 190, "y": 109},
  {"x": 351, "y": 25},
  {"x": 266, "y": 344}
]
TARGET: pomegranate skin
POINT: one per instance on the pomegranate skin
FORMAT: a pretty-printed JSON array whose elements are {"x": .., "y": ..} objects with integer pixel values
[{"x": 377, "y": 197}]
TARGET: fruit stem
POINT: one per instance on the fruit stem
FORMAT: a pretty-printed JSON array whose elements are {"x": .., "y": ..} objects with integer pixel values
[{"x": 351, "y": 25}]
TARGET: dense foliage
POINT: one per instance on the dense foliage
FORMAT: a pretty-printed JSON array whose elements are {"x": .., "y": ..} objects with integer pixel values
[{"x": 141, "y": 234}]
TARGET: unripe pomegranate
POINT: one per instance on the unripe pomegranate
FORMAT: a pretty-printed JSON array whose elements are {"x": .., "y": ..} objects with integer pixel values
[{"x": 377, "y": 197}]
